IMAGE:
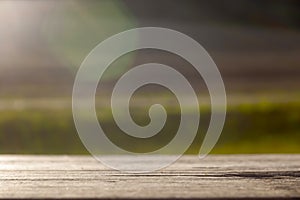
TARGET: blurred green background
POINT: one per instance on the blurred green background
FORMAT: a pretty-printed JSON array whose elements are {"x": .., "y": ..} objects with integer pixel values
[{"x": 255, "y": 44}]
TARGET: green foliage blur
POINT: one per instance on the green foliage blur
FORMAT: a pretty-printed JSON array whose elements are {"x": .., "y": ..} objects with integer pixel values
[
  {"x": 249, "y": 128},
  {"x": 254, "y": 43}
]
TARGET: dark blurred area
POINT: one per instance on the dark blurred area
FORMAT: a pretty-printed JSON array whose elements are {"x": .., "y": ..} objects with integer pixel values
[
  {"x": 282, "y": 14},
  {"x": 255, "y": 44}
]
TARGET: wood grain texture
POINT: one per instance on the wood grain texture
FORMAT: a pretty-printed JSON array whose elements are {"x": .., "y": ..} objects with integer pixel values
[{"x": 215, "y": 177}]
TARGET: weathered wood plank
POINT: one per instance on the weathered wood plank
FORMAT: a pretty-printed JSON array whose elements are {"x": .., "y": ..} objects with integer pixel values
[{"x": 233, "y": 177}]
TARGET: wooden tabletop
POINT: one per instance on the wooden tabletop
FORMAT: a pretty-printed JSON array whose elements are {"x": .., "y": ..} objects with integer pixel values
[{"x": 215, "y": 177}]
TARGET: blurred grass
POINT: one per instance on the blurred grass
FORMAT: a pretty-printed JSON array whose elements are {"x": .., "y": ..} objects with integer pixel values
[
  {"x": 261, "y": 128},
  {"x": 249, "y": 128}
]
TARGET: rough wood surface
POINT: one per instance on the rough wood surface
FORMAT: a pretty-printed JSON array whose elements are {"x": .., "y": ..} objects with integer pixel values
[{"x": 215, "y": 177}]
